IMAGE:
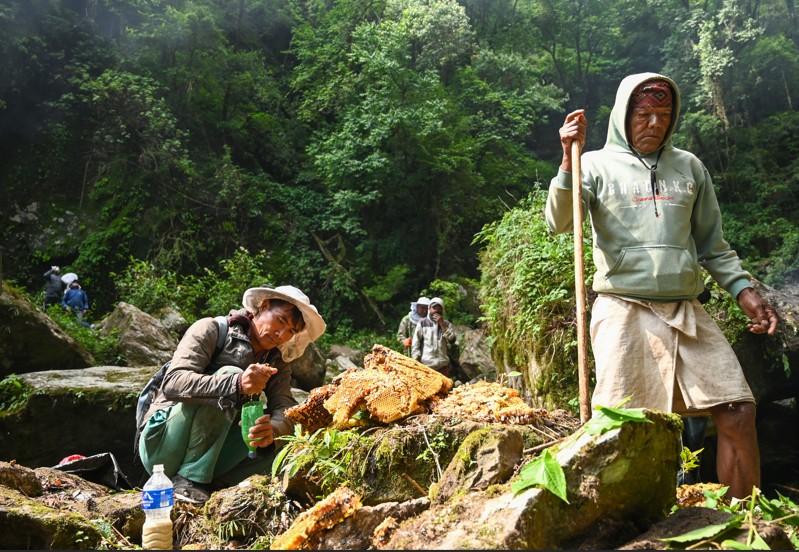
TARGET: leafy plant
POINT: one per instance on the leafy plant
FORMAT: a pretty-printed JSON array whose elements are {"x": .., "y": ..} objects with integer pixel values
[
  {"x": 149, "y": 288},
  {"x": 222, "y": 290},
  {"x": 610, "y": 418},
  {"x": 229, "y": 530},
  {"x": 325, "y": 456},
  {"x": 14, "y": 394},
  {"x": 745, "y": 513},
  {"x": 440, "y": 442},
  {"x": 689, "y": 460}
]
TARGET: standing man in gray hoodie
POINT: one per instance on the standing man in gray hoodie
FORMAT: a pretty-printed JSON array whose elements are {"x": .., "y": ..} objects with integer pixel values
[{"x": 656, "y": 224}]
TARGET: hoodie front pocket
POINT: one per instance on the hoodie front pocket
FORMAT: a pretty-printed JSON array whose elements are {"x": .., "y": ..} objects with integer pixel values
[{"x": 656, "y": 270}]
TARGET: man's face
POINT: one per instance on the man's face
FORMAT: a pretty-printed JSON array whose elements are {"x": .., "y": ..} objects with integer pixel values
[
  {"x": 647, "y": 126},
  {"x": 435, "y": 311},
  {"x": 421, "y": 310},
  {"x": 273, "y": 326}
]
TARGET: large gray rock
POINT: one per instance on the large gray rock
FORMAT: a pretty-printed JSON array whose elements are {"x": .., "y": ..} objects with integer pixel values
[
  {"x": 474, "y": 354},
  {"x": 30, "y": 341},
  {"x": 58, "y": 519},
  {"x": 308, "y": 371},
  {"x": 87, "y": 411},
  {"x": 143, "y": 339},
  {"x": 769, "y": 361}
]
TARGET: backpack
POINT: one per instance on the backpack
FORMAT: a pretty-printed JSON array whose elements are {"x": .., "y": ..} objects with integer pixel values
[{"x": 150, "y": 391}]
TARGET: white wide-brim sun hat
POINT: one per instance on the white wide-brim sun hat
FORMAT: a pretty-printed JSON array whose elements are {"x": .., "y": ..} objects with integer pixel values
[{"x": 314, "y": 324}]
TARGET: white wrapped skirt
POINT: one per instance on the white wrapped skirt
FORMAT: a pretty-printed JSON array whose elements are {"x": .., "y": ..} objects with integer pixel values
[{"x": 667, "y": 356}]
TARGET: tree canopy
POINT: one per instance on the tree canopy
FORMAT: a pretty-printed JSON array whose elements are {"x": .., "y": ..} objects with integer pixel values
[{"x": 357, "y": 147}]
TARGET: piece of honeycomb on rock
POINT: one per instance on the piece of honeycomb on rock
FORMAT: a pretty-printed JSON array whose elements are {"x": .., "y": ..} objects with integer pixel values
[
  {"x": 394, "y": 400},
  {"x": 312, "y": 414},
  {"x": 391, "y": 386},
  {"x": 485, "y": 402},
  {"x": 426, "y": 381},
  {"x": 349, "y": 397},
  {"x": 305, "y": 532},
  {"x": 382, "y": 533}
]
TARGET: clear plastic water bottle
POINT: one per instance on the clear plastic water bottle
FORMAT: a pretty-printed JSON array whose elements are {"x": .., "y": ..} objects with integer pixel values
[{"x": 157, "y": 498}]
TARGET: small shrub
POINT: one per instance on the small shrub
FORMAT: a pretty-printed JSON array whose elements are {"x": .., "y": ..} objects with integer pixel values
[
  {"x": 14, "y": 394},
  {"x": 104, "y": 349},
  {"x": 527, "y": 292}
]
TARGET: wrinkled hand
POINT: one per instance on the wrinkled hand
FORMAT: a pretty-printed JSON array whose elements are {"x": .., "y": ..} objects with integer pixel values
[
  {"x": 762, "y": 315},
  {"x": 407, "y": 342},
  {"x": 254, "y": 378},
  {"x": 574, "y": 128},
  {"x": 261, "y": 433}
]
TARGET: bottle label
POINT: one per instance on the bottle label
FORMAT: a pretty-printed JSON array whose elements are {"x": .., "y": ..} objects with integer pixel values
[{"x": 159, "y": 498}]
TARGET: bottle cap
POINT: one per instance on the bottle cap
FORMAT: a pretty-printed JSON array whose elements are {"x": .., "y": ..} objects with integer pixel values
[{"x": 158, "y": 468}]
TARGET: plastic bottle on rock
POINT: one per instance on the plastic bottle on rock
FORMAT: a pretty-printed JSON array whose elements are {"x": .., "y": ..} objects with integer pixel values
[{"x": 156, "y": 501}]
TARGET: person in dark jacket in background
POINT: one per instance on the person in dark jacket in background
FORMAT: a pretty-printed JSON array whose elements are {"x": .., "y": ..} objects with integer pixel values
[
  {"x": 76, "y": 301},
  {"x": 53, "y": 287},
  {"x": 192, "y": 426}
]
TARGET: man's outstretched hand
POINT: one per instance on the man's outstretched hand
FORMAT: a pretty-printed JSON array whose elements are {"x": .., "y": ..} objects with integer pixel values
[{"x": 762, "y": 315}]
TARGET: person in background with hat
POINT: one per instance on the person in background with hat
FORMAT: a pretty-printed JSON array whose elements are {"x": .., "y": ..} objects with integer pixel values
[
  {"x": 432, "y": 338},
  {"x": 192, "y": 426},
  {"x": 656, "y": 224},
  {"x": 408, "y": 323},
  {"x": 53, "y": 287}
]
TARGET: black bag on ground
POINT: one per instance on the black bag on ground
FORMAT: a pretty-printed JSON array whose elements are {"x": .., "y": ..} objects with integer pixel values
[{"x": 101, "y": 468}]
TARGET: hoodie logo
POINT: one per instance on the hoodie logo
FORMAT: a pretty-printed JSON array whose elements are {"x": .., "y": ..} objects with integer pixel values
[{"x": 637, "y": 192}]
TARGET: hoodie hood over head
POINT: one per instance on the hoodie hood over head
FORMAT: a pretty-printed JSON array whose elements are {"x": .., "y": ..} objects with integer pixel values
[
  {"x": 617, "y": 139},
  {"x": 655, "y": 219}
]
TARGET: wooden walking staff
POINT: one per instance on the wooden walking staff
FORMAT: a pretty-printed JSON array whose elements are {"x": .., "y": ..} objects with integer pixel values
[{"x": 579, "y": 283}]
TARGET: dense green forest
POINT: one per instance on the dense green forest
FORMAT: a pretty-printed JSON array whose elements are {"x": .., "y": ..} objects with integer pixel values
[{"x": 357, "y": 148}]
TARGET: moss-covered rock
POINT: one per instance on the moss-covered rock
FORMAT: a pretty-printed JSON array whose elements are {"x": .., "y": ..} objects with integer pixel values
[
  {"x": 628, "y": 473},
  {"x": 26, "y": 524}
]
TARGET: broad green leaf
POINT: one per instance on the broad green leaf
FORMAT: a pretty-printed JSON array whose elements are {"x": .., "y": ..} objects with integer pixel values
[
  {"x": 611, "y": 418},
  {"x": 545, "y": 472},
  {"x": 734, "y": 545},
  {"x": 757, "y": 544},
  {"x": 702, "y": 533}
]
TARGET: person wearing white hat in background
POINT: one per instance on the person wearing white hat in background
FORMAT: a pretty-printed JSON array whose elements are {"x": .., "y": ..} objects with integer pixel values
[
  {"x": 409, "y": 321},
  {"x": 192, "y": 426},
  {"x": 432, "y": 338}
]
